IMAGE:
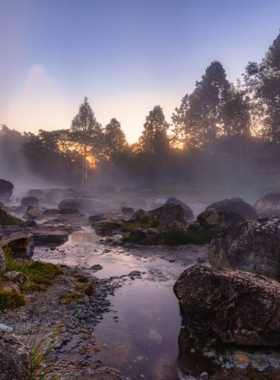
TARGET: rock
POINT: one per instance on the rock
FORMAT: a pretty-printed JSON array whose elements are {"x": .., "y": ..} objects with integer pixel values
[
  {"x": 6, "y": 189},
  {"x": 36, "y": 193},
  {"x": 1, "y": 204},
  {"x": 140, "y": 214},
  {"x": 168, "y": 213},
  {"x": 96, "y": 218},
  {"x": 96, "y": 267},
  {"x": 15, "y": 363},
  {"x": 60, "y": 194},
  {"x": 139, "y": 203},
  {"x": 219, "y": 221},
  {"x": 51, "y": 234},
  {"x": 85, "y": 204},
  {"x": 188, "y": 213},
  {"x": 236, "y": 205},
  {"x": 32, "y": 212},
  {"x": 16, "y": 277},
  {"x": 10, "y": 286},
  {"x": 141, "y": 236},
  {"x": 268, "y": 204},
  {"x": 194, "y": 227},
  {"x": 128, "y": 211},
  {"x": 51, "y": 211},
  {"x": 2, "y": 262},
  {"x": 254, "y": 246},
  {"x": 27, "y": 201},
  {"x": 104, "y": 373},
  {"x": 69, "y": 210},
  {"x": 29, "y": 223},
  {"x": 5, "y": 328},
  {"x": 21, "y": 246},
  {"x": 237, "y": 307}
]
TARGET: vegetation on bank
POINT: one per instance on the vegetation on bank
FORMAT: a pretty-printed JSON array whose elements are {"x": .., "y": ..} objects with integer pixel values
[
  {"x": 177, "y": 236},
  {"x": 7, "y": 219},
  {"x": 39, "y": 273},
  {"x": 128, "y": 225}
]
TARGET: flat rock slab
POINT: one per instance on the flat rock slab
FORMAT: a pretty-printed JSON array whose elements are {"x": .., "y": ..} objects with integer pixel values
[{"x": 238, "y": 307}]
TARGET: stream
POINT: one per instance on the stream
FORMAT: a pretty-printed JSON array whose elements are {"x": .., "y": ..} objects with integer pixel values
[{"x": 139, "y": 336}]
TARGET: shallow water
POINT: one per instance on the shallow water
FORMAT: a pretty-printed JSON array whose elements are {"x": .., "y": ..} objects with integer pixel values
[{"x": 140, "y": 336}]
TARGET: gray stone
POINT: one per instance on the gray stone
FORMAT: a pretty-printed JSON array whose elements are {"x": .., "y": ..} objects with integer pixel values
[
  {"x": 2, "y": 262},
  {"x": 236, "y": 205},
  {"x": 6, "y": 189},
  {"x": 15, "y": 363},
  {"x": 254, "y": 246},
  {"x": 268, "y": 204}
]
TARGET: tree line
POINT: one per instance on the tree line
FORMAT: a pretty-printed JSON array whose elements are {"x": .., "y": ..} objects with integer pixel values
[{"x": 214, "y": 131}]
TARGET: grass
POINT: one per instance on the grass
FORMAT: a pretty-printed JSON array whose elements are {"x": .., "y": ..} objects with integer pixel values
[
  {"x": 7, "y": 219},
  {"x": 129, "y": 225},
  {"x": 38, "y": 272},
  {"x": 10, "y": 299},
  {"x": 177, "y": 236},
  {"x": 71, "y": 297}
]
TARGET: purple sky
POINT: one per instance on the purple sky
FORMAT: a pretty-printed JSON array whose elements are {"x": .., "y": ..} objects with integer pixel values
[{"x": 126, "y": 56}]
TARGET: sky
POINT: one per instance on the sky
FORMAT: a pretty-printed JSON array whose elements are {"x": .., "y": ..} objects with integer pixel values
[{"x": 126, "y": 56}]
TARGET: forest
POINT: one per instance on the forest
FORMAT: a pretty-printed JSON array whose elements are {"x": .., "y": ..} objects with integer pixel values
[{"x": 221, "y": 130}]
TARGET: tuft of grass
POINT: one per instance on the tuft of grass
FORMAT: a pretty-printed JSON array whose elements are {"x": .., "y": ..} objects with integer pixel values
[
  {"x": 87, "y": 289},
  {"x": 42, "y": 345},
  {"x": 81, "y": 278},
  {"x": 10, "y": 299},
  {"x": 71, "y": 297},
  {"x": 177, "y": 236},
  {"x": 38, "y": 271}
]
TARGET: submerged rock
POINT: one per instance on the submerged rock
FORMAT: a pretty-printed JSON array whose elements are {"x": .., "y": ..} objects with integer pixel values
[
  {"x": 6, "y": 189},
  {"x": 15, "y": 360},
  {"x": 254, "y": 246},
  {"x": 219, "y": 221},
  {"x": 268, "y": 204},
  {"x": 236, "y": 205},
  {"x": 237, "y": 307},
  {"x": 168, "y": 213}
]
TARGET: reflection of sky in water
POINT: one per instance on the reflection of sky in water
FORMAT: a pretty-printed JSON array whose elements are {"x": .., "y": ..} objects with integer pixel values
[
  {"x": 144, "y": 340},
  {"x": 140, "y": 337}
]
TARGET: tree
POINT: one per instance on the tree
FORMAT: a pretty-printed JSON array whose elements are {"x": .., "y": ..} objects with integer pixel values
[
  {"x": 206, "y": 107},
  {"x": 154, "y": 137},
  {"x": 58, "y": 144},
  {"x": 114, "y": 139},
  {"x": 88, "y": 133},
  {"x": 263, "y": 85},
  {"x": 181, "y": 137}
]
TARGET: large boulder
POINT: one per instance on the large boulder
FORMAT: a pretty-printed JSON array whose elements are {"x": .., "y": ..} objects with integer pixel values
[
  {"x": 235, "y": 306},
  {"x": 6, "y": 189},
  {"x": 254, "y": 246},
  {"x": 219, "y": 221},
  {"x": 188, "y": 212},
  {"x": 236, "y": 205},
  {"x": 20, "y": 246},
  {"x": 15, "y": 362},
  {"x": 36, "y": 193},
  {"x": 168, "y": 213},
  {"x": 268, "y": 204},
  {"x": 2, "y": 262},
  {"x": 27, "y": 201},
  {"x": 84, "y": 204},
  {"x": 147, "y": 236}
]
